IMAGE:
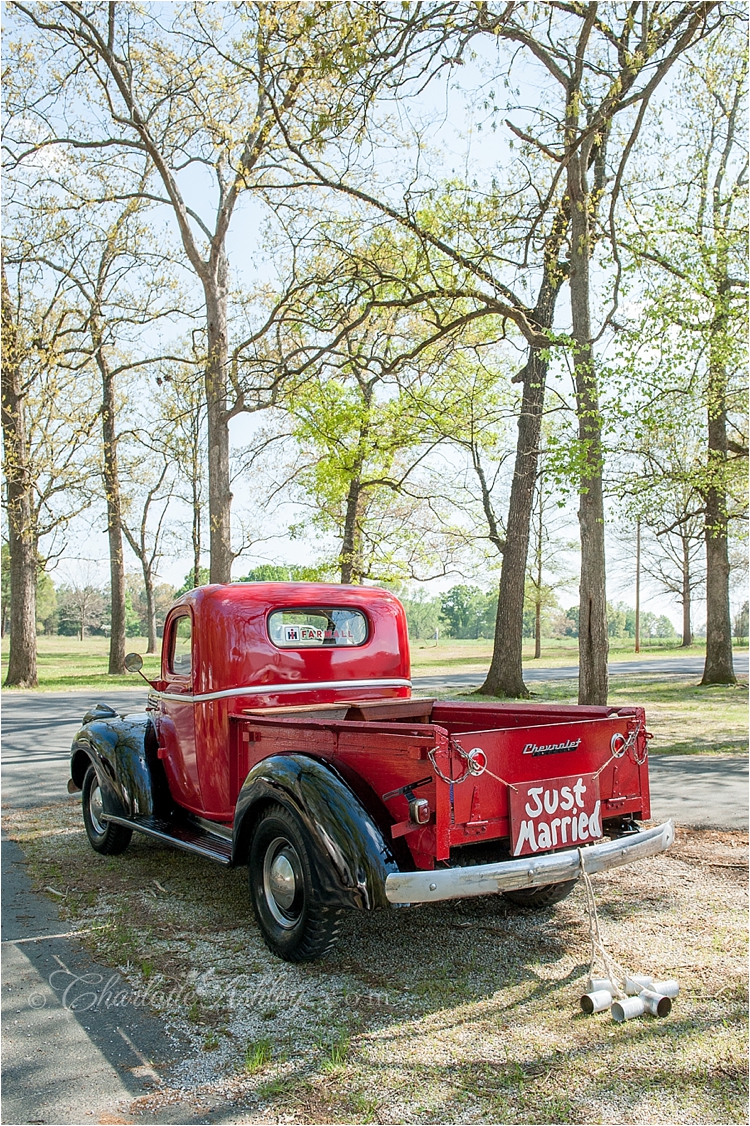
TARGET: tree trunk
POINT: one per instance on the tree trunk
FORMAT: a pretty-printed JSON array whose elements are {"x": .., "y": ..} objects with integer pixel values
[
  {"x": 538, "y": 615},
  {"x": 217, "y": 423},
  {"x": 687, "y": 629},
  {"x": 351, "y": 562},
  {"x": 196, "y": 532},
  {"x": 148, "y": 582},
  {"x": 719, "y": 667},
  {"x": 505, "y": 674},
  {"x": 22, "y": 536},
  {"x": 114, "y": 514},
  {"x": 593, "y": 643}
]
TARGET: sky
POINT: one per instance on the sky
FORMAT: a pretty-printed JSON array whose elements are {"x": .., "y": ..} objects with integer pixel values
[{"x": 459, "y": 131}]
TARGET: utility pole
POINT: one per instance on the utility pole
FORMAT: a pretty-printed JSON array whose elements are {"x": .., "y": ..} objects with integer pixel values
[{"x": 638, "y": 585}]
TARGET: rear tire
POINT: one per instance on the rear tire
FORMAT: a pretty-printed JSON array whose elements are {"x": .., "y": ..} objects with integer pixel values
[
  {"x": 104, "y": 836},
  {"x": 294, "y": 923},
  {"x": 538, "y": 898}
]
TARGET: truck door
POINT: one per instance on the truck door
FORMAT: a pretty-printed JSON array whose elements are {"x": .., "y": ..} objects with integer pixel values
[{"x": 177, "y": 720}]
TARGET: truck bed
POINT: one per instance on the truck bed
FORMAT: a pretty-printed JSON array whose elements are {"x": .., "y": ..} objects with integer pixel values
[{"x": 391, "y": 743}]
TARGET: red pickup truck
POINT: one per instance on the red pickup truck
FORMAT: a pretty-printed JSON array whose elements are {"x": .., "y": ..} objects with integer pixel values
[{"x": 282, "y": 735}]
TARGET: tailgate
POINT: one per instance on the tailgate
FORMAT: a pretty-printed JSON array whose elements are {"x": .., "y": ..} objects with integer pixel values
[{"x": 545, "y": 786}]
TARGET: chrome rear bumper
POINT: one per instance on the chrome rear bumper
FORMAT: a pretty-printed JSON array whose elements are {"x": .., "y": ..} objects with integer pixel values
[{"x": 527, "y": 871}]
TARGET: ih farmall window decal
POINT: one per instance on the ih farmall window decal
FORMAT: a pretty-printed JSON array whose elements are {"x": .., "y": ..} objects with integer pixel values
[{"x": 305, "y": 629}]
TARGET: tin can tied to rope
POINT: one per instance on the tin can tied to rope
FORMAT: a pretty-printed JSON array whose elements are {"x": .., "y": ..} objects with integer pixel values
[
  {"x": 641, "y": 994},
  {"x": 597, "y": 1001},
  {"x": 655, "y": 1003},
  {"x": 627, "y": 1008}
]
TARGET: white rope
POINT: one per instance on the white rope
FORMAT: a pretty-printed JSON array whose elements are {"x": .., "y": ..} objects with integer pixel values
[{"x": 598, "y": 950}]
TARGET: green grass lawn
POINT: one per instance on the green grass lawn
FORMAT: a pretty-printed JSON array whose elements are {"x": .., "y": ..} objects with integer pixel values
[{"x": 66, "y": 662}]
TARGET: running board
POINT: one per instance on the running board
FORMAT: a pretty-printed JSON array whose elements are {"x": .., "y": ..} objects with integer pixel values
[{"x": 188, "y": 837}]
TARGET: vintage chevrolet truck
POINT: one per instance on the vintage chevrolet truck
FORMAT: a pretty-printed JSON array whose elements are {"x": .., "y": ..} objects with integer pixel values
[{"x": 282, "y": 735}]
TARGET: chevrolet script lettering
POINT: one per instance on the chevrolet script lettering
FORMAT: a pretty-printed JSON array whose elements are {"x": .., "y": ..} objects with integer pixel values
[{"x": 551, "y": 748}]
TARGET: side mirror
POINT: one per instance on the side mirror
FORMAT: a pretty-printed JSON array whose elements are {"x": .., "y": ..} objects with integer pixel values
[{"x": 133, "y": 662}]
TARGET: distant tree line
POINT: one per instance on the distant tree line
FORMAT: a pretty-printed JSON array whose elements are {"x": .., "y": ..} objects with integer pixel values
[{"x": 468, "y": 612}]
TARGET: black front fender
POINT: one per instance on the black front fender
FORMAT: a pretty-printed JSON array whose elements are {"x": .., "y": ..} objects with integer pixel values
[
  {"x": 350, "y": 853},
  {"x": 123, "y": 752}
]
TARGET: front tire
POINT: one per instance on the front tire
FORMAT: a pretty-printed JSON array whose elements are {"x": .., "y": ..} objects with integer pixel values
[
  {"x": 104, "y": 836},
  {"x": 541, "y": 897},
  {"x": 283, "y": 887}
]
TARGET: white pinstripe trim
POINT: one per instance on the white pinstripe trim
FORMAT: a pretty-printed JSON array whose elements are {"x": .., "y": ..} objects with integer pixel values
[{"x": 272, "y": 689}]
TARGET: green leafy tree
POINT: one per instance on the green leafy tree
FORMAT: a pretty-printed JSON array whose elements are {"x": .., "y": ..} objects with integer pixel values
[
  {"x": 601, "y": 68},
  {"x": 423, "y": 614},
  {"x": 224, "y": 88},
  {"x": 46, "y": 604},
  {"x": 283, "y": 573},
  {"x": 204, "y": 577},
  {"x": 468, "y": 612},
  {"x": 359, "y": 427},
  {"x": 47, "y": 423},
  {"x": 620, "y": 620},
  {"x": 82, "y": 609},
  {"x": 691, "y": 248},
  {"x": 133, "y": 626}
]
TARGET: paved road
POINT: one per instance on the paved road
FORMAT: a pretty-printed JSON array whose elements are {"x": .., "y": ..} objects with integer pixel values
[
  {"x": 665, "y": 666},
  {"x": 37, "y": 731},
  {"x": 77, "y": 1047}
]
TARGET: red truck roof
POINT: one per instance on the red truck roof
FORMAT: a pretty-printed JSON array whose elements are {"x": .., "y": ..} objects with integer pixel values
[{"x": 233, "y": 646}]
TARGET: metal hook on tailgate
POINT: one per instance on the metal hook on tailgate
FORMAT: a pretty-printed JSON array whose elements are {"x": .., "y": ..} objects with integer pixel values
[{"x": 475, "y": 762}]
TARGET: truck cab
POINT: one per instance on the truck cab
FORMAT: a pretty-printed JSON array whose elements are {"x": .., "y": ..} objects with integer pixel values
[{"x": 282, "y": 734}]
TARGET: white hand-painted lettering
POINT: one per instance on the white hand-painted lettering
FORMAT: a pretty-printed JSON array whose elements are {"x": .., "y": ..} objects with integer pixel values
[
  {"x": 526, "y": 834},
  {"x": 551, "y": 798},
  {"x": 534, "y": 793},
  {"x": 595, "y": 829},
  {"x": 579, "y": 826}
]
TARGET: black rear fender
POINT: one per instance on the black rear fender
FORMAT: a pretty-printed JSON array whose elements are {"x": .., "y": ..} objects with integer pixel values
[
  {"x": 123, "y": 751},
  {"x": 349, "y": 851}
]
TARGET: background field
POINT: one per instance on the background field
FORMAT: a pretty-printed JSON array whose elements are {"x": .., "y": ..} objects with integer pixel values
[
  {"x": 685, "y": 718},
  {"x": 452, "y": 655},
  {"x": 66, "y": 662}
]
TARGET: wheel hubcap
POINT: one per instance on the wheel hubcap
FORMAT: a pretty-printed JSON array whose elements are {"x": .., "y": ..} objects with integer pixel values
[
  {"x": 282, "y": 882},
  {"x": 96, "y": 809}
]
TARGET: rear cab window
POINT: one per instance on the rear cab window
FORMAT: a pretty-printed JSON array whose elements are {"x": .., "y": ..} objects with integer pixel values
[
  {"x": 180, "y": 646},
  {"x": 317, "y": 628}
]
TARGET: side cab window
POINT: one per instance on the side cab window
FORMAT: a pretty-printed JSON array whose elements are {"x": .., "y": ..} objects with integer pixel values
[{"x": 180, "y": 660}]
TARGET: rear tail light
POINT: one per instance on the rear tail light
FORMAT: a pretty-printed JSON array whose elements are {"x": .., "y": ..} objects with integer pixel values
[{"x": 419, "y": 811}]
